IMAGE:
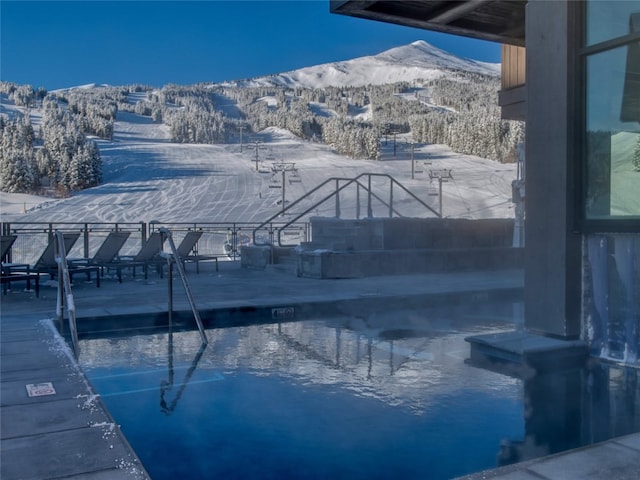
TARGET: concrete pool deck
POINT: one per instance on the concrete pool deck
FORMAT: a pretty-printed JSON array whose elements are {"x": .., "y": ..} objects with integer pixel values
[{"x": 69, "y": 433}]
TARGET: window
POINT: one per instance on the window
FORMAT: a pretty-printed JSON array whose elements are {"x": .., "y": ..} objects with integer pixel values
[{"x": 611, "y": 147}]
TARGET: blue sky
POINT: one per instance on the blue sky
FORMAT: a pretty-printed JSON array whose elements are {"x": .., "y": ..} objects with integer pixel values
[{"x": 57, "y": 44}]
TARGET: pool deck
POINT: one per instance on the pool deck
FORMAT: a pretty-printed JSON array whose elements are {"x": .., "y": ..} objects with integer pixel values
[{"x": 70, "y": 434}]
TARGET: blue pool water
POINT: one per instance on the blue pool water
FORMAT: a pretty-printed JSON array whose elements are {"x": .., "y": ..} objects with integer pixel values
[{"x": 382, "y": 396}]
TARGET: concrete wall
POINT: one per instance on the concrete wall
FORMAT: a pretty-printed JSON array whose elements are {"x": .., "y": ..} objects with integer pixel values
[
  {"x": 393, "y": 246},
  {"x": 327, "y": 264},
  {"x": 390, "y": 246},
  {"x": 259, "y": 256},
  {"x": 553, "y": 251},
  {"x": 409, "y": 233}
]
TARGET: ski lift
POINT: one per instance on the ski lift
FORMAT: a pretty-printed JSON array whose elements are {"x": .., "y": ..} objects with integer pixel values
[
  {"x": 274, "y": 183},
  {"x": 432, "y": 191},
  {"x": 295, "y": 177}
]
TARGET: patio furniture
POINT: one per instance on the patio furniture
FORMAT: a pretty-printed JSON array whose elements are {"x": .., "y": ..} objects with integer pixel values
[
  {"x": 15, "y": 272},
  {"x": 187, "y": 248},
  {"x": 8, "y": 276},
  {"x": 147, "y": 255},
  {"x": 47, "y": 264},
  {"x": 106, "y": 254},
  {"x": 5, "y": 244}
]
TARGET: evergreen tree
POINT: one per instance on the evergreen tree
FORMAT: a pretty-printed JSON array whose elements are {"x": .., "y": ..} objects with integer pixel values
[
  {"x": 636, "y": 156},
  {"x": 17, "y": 164}
]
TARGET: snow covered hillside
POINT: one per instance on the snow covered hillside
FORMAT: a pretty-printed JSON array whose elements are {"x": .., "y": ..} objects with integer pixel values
[
  {"x": 175, "y": 155},
  {"x": 146, "y": 178},
  {"x": 417, "y": 61}
]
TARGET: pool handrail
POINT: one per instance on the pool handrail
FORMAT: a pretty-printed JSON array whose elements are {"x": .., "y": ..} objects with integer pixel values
[
  {"x": 64, "y": 289},
  {"x": 174, "y": 257}
]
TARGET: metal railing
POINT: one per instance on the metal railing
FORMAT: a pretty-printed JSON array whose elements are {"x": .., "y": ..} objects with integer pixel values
[
  {"x": 335, "y": 194},
  {"x": 33, "y": 237},
  {"x": 174, "y": 258},
  {"x": 219, "y": 238},
  {"x": 65, "y": 295}
]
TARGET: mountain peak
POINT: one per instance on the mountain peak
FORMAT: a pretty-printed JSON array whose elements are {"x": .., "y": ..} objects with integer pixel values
[
  {"x": 427, "y": 55},
  {"x": 418, "y": 60}
]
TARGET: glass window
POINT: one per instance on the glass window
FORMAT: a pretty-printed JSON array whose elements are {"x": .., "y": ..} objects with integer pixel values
[
  {"x": 608, "y": 19},
  {"x": 612, "y": 122}
]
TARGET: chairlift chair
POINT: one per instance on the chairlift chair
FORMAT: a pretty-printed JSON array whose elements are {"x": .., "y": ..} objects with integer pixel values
[
  {"x": 295, "y": 176},
  {"x": 275, "y": 182}
]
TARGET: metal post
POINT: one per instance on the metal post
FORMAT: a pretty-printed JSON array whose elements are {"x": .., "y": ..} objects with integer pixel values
[
  {"x": 143, "y": 232},
  {"x": 60, "y": 301},
  {"x": 442, "y": 175},
  {"x": 284, "y": 186},
  {"x": 358, "y": 201},
  {"x": 234, "y": 241},
  {"x": 440, "y": 195},
  {"x": 86, "y": 240},
  {"x": 391, "y": 199},
  {"x": 369, "y": 209},
  {"x": 337, "y": 198},
  {"x": 413, "y": 164},
  {"x": 170, "y": 285}
]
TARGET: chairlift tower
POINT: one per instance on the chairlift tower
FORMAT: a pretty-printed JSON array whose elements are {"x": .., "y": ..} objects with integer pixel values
[
  {"x": 257, "y": 145},
  {"x": 394, "y": 132},
  {"x": 413, "y": 162},
  {"x": 241, "y": 128},
  {"x": 283, "y": 168},
  {"x": 443, "y": 175}
]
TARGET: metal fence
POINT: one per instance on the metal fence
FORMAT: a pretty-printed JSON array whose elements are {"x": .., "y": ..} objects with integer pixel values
[{"x": 224, "y": 239}]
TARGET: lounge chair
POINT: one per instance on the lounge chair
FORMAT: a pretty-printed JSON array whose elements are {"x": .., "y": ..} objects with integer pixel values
[
  {"x": 47, "y": 261},
  {"x": 6, "y": 244},
  {"x": 106, "y": 254},
  {"x": 15, "y": 272},
  {"x": 147, "y": 255},
  {"x": 187, "y": 252}
]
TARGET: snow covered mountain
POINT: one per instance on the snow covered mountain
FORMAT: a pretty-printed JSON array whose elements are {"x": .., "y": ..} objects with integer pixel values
[
  {"x": 418, "y": 60},
  {"x": 150, "y": 170}
]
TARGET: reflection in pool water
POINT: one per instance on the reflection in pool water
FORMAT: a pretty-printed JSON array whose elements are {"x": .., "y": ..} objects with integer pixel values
[{"x": 375, "y": 397}]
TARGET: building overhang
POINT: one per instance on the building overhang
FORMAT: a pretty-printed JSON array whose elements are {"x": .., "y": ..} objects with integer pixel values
[{"x": 500, "y": 21}]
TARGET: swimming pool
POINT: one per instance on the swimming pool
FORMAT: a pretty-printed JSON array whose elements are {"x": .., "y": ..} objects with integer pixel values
[{"x": 378, "y": 396}]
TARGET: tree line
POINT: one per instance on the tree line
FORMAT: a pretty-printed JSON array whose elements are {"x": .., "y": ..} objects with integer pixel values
[
  {"x": 459, "y": 109},
  {"x": 59, "y": 156}
]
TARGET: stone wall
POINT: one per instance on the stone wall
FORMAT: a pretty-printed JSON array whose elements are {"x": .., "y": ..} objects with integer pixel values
[{"x": 409, "y": 233}]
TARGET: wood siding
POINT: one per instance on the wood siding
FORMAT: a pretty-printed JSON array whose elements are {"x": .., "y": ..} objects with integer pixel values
[{"x": 513, "y": 66}]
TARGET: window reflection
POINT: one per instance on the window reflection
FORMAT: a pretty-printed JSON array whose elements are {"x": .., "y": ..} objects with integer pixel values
[
  {"x": 608, "y": 19},
  {"x": 613, "y": 133}
]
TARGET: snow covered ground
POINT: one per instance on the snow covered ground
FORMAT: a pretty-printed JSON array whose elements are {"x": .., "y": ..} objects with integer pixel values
[
  {"x": 148, "y": 178},
  {"x": 418, "y": 61}
]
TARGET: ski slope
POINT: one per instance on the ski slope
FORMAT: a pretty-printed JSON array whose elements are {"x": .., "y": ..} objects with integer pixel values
[{"x": 146, "y": 177}]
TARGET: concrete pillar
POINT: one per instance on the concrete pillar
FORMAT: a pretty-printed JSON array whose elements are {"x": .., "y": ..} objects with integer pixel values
[{"x": 552, "y": 250}]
